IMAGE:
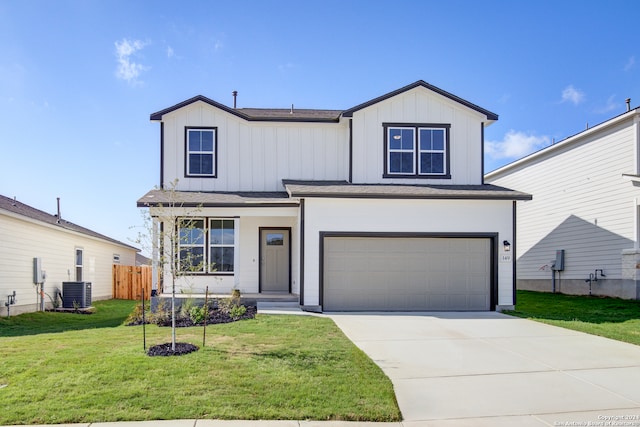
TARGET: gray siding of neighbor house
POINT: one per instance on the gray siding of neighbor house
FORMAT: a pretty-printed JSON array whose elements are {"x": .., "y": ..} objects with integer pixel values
[{"x": 582, "y": 204}]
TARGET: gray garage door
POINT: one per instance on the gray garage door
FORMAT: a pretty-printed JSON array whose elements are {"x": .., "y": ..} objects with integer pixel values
[{"x": 406, "y": 274}]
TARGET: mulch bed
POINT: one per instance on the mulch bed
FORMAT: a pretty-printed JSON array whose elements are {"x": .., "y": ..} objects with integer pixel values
[
  {"x": 215, "y": 317},
  {"x": 165, "y": 349}
]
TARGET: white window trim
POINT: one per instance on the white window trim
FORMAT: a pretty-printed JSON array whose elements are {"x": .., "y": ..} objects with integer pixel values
[{"x": 78, "y": 267}]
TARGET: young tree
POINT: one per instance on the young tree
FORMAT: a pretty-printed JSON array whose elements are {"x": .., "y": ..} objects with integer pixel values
[{"x": 175, "y": 236}]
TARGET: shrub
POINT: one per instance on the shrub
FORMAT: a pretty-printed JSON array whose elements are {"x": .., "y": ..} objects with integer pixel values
[
  {"x": 198, "y": 314},
  {"x": 237, "y": 311}
]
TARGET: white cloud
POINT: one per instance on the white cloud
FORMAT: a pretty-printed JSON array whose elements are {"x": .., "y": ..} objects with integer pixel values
[
  {"x": 515, "y": 145},
  {"x": 630, "y": 63},
  {"x": 170, "y": 52},
  {"x": 127, "y": 69},
  {"x": 571, "y": 94}
]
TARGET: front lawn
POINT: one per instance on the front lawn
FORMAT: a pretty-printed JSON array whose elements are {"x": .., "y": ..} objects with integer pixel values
[
  {"x": 608, "y": 317},
  {"x": 72, "y": 368}
]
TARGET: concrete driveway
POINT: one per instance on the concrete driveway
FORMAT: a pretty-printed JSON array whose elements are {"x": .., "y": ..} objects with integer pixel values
[{"x": 489, "y": 369}]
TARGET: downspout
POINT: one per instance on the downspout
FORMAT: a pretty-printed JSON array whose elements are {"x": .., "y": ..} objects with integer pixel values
[
  {"x": 162, "y": 155},
  {"x": 301, "y": 269},
  {"x": 513, "y": 251},
  {"x": 350, "y": 150},
  {"x": 482, "y": 153}
]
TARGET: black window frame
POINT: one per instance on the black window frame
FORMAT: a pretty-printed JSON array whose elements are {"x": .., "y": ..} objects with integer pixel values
[
  {"x": 416, "y": 150},
  {"x": 187, "y": 172},
  {"x": 207, "y": 269}
]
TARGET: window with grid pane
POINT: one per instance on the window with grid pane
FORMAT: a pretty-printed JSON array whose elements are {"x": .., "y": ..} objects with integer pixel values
[
  {"x": 191, "y": 244},
  {"x": 416, "y": 150},
  {"x": 221, "y": 245},
  {"x": 201, "y": 152}
]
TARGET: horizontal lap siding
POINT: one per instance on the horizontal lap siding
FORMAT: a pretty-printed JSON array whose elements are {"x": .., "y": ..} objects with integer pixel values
[
  {"x": 580, "y": 204},
  {"x": 23, "y": 240}
]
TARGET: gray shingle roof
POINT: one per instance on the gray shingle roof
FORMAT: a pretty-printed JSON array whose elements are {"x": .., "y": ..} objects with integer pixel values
[
  {"x": 313, "y": 115},
  {"x": 260, "y": 114},
  {"x": 196, "y": 199},
  {"x": 19, "y": 208},
  {"x": 396, "y": 191}
]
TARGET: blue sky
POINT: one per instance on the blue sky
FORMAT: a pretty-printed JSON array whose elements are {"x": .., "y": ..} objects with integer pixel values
[{"x": 79, "y": 79}]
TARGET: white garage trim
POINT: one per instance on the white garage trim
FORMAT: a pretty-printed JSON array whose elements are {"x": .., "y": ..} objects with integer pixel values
[{"x": 489, "y": 275}]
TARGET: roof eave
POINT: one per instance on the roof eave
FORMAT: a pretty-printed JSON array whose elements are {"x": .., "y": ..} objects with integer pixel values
[
  {"x": 421, "y": 83},
  {"x": 559, "y": 145}
]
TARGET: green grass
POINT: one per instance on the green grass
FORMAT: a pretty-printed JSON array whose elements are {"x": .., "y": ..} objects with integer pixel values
[
  {"x": 608, "y": 317},
  {"x": 70, "y": 368}
]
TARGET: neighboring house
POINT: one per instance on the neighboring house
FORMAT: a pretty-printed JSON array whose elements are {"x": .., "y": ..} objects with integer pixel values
[
  {"x": 67, "y": 252},
  {"x": 378, "y": 207},
  {"x": 585, "y": 203}
]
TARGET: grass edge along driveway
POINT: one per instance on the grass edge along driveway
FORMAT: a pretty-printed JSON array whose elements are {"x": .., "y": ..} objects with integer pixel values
[
  {"x": 92, "y": 369},
  {"x": 614, "y": 318}
]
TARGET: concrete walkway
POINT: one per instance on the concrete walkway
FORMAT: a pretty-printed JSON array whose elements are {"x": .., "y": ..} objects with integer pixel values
[{"x": 489, "y": 369}]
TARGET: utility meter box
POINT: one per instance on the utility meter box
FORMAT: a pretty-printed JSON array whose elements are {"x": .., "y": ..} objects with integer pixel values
[
  {"x": 558, "y": 265},
  {"x": 38, "y": 274}
]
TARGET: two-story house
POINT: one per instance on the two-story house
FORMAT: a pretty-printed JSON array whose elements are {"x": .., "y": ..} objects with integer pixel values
[
  {"x": 581, "y": 232},
  {"x": 378, "y": 207}
]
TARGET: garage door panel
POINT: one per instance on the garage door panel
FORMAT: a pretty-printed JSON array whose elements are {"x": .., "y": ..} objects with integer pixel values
[{"x": 398, "y": 274}]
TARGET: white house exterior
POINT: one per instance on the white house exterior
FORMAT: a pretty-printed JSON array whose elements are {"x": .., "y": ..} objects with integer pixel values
[
  {"x": 378, "y": 207},
  {"x": 67, "y": 253},
  {"x": 585, "y": 202}
]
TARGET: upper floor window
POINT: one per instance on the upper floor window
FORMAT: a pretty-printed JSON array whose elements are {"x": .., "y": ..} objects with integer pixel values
[
  {"x": 201, "y": 152},
  {"x": 416, "y": 151}
]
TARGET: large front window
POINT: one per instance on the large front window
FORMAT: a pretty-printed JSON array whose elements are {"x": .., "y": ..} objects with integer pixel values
[
  {"x": 201, "y": 152},
  {"x": 416, "y": 151},
  {"x": 221, "y": 242},
  {"x": 206, "y": 245},
  {"x": 191, "y": 244}
]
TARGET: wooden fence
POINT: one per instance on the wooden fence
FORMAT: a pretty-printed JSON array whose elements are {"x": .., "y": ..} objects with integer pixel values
[{"x": 128, "y": 281}]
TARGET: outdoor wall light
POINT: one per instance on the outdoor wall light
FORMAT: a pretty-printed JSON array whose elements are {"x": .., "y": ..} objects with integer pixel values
[{"x": 506, "y": 246}]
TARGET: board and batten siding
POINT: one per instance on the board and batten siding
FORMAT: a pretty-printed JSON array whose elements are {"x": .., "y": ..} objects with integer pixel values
[
  {"x": 404, "y": 216},
  {"x": 581, "y": 204},
  {"x": 255, "y": 156},
  {"x": 419, "y": 105},
  {"x": 23, "y": 240}
]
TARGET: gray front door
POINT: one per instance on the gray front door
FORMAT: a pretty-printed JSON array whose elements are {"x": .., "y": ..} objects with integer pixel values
[{"x": 274, "y": 260}]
